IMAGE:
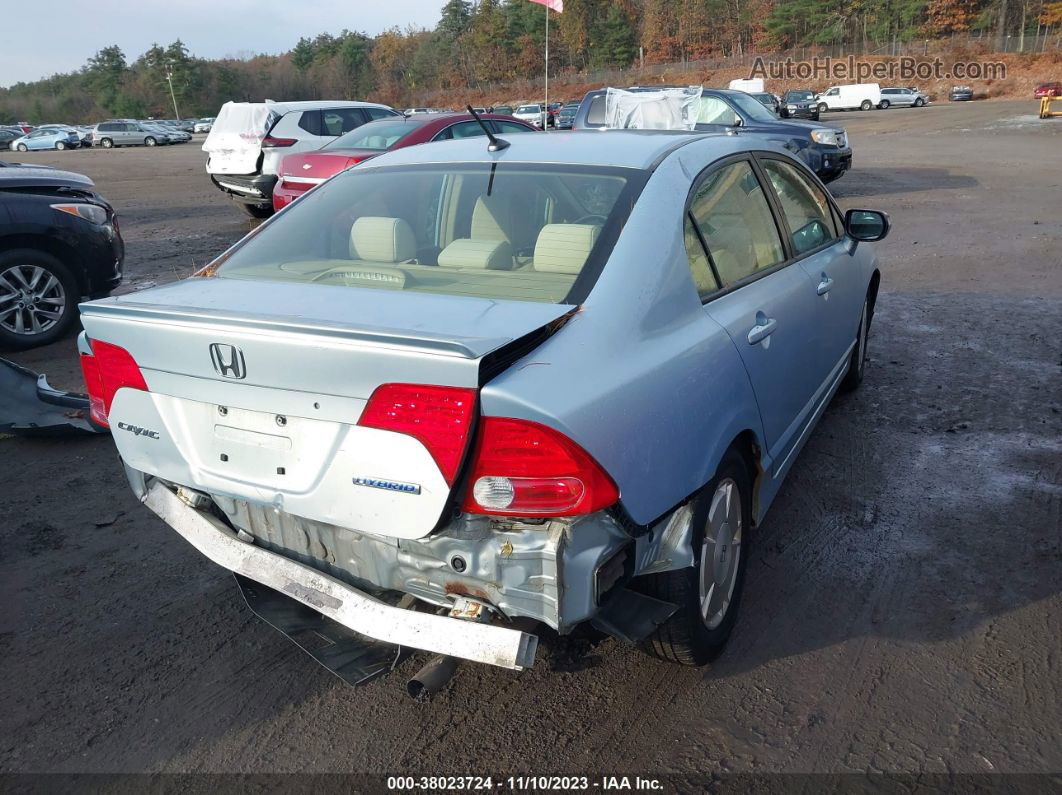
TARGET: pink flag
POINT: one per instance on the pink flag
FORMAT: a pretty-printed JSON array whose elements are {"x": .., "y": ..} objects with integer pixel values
[{"x": 556, "y": 5}]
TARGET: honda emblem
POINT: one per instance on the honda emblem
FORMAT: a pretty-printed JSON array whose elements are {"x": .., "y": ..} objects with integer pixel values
[{"x": 228, "y": 360}]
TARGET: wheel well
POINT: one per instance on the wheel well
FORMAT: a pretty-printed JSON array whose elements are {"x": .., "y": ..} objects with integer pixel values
[
  {"x": 749, "y": 448},
  {"x": 61, "y": 251},
  {"x": 872, "y": 293}
]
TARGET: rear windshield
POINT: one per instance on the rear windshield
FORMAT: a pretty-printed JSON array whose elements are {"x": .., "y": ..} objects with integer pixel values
[
  {"x": 528, "y": 109},
  {"x": 530, "y": 232},
  {"x": 374, "y": 135}
]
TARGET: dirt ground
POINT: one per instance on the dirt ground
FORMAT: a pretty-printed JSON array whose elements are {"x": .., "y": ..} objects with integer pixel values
[{"x": 902, "y": 612}]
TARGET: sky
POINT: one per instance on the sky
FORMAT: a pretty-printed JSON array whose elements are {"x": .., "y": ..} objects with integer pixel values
[{"x": 39, "y": 39}]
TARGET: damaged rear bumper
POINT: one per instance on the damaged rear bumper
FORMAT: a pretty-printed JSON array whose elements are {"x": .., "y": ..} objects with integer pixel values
[{"x": 360, "y": 612}]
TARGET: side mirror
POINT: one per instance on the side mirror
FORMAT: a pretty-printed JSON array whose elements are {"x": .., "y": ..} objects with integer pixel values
[
  {"x": 866, "y": 225},
  {"x": 737, "y": 121}
]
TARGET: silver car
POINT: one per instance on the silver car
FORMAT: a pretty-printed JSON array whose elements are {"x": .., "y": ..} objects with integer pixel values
[
  {"x": 125, "y": 133},
  {"x": 551, "y": 384},
  {"x": 902, "y": 98}
]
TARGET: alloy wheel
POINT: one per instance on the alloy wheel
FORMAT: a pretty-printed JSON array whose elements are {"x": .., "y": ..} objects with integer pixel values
[{"x": 32, "y": 299}]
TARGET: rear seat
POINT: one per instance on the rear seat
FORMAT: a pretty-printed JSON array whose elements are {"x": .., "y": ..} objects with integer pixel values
[
  {"x": 383, "y": 252},
  {"x": 564, "y": 248}
]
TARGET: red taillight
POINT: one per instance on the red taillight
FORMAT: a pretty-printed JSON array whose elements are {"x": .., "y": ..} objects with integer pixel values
[
  {"x": 107, "y": 370},
  {"x": 269, "y": 142},
  {"x": 522, "y": 468},
  {"x": 438, "y": 416}
]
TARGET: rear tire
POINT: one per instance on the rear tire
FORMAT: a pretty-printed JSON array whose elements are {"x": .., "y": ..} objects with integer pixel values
[
  {"x": 884, "y": 105},
  {"x": 54, "y": 290},
  {"x": 857, "y": 365},
  {"x": 60, "y": 145},
  {"x": 708, "y": 605},
  {"x": 258, "y": 210},
  {"x": 106, "y": 143},
  {"x": 866, "y": 105}
]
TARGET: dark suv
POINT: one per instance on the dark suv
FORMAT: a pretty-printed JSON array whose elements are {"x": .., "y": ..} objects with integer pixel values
[
  {"x": 59, "y": 242},
  {"x": 825, "y": 149},
  {"x": 799, "y": 104}
]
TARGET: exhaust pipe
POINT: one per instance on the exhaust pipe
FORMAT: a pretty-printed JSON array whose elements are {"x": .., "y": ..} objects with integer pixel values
[{"x": 432, "y": 678}]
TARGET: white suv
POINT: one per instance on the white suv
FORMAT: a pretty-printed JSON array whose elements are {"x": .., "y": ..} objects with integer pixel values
[
  {"x": 248, "y": 140},
  {"x": 532, "y": 114}
]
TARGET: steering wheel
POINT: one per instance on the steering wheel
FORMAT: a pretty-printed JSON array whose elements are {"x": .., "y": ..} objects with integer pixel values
[{"x": 601, "y": 219}]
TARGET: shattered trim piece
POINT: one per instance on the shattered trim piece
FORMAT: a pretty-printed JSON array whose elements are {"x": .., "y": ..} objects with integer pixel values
[{"x": 30, "y": 406}]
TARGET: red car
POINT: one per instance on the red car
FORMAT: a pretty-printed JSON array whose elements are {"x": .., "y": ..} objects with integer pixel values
[
  {"x": 1048, "y": 90},
  {"x": 300, "y": 172}
]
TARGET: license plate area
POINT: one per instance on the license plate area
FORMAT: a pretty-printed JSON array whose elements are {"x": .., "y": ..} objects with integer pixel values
[{"x": 257, "y": 447}]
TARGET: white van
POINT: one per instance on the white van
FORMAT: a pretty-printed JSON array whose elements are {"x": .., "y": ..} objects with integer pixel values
[
  {"x": 863, "y": 96},
  {"x": 248, "y": 139},
  {"x": 752, "y": 85}
]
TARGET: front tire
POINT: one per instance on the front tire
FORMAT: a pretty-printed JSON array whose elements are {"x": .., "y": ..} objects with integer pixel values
[
  {"x": 857, "y": 365},
  {"x": 919, "y": 102},
  {"x": 38, "y": 298},
  {"x": 708, "y": 593},
  {"x": 22, "y": 148},
  {"x": 149, "y": 141}
]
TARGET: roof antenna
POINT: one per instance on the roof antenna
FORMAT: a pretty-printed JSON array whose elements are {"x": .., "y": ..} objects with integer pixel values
[{"x": 496, "y": 144}]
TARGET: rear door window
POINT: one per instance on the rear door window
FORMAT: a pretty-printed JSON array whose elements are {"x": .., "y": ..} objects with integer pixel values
[
  {"x": 336, "y": 121},
  {"x": 509, "y": 127},
  {"x": 731, "y": 212},
  {"x": 467, "y": 129},
  {"x": 714, "y": 111},
  {"x": 379, "y": 113}
]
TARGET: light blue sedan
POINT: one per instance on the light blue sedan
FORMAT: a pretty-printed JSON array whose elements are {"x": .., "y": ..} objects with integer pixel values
[
  {"x": 556, "y": 378},
  {"x": 48, "y": 138}
]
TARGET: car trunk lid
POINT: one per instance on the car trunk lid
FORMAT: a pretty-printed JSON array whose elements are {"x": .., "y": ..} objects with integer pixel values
[
  {"x": 312, "y": 168},
  {"x": 255, "y": 390}
]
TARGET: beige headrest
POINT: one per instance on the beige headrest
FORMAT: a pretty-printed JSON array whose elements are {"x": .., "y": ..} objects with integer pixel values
[
  {"x": 486, "y": 254},
  {"x": 563, "y": 248},
  {"x": 488, "y": 215},
  {"x": 377, "y": 239}
]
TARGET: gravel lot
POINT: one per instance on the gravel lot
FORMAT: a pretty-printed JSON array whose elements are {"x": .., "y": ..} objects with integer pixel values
[{"x": 902, "y": 612}]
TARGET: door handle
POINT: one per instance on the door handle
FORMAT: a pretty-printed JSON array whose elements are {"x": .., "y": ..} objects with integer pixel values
[
  {"x": 825, "y": 285},
  {"x": 764, "y": 328}
]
